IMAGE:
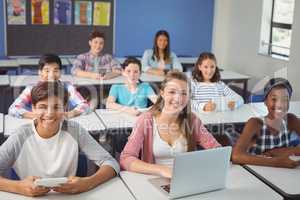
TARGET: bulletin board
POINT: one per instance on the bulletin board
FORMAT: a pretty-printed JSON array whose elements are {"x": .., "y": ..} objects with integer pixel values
[{"x": 57, "y": 26}]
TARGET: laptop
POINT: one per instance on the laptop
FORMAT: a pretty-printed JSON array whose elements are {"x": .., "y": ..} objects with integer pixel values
[{"x": 196, "y": 172}]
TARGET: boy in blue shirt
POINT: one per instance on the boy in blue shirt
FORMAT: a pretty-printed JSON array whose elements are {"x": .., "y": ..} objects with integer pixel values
[{"x": 131, "y": 95}]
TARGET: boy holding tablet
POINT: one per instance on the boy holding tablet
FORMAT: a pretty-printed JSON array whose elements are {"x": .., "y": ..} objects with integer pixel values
[{"x": 49, "y": 148}]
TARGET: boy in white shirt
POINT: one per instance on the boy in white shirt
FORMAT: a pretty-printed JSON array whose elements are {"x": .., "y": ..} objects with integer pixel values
[{"x": 49, "y": 147}]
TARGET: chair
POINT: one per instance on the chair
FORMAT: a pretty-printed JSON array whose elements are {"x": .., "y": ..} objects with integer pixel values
[{"x": 256, "y": 98}]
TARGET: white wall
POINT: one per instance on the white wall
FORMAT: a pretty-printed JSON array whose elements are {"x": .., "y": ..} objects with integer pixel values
[{"x": 236, "y": 41}]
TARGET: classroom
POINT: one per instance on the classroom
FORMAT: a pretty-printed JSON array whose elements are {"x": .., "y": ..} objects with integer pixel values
[{"x": 143, "y": 100}]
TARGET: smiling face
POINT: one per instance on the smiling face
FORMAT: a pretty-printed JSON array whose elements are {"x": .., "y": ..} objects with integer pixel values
[
  {"x": 277, "y": 102},
  {"x": 50, "y": 113},
  {"x": 50, "y": 72},
  {"x": 207, "y": 69},
  {"x": 96, "y": 45},
  {"x": 132, "y": 73},
  {"x": 162, "y": 42},
  {"x": 175, "y": 96}
]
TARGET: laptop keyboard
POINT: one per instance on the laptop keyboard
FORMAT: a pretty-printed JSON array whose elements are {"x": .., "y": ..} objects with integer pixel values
[{"x": 166, "y": 188}]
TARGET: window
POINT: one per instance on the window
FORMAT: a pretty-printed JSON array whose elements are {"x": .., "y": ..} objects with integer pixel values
[{"x": 276, "y": 30}]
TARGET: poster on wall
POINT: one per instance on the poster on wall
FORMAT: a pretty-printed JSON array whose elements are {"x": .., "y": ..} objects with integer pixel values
[
  {"x": 16, "y": 13},
  {"x": 101, "y": 13},
  {"x": 40, "y": 12},
  {"x": 62, "y": 12},
  {"x": 83, "y": 13}
]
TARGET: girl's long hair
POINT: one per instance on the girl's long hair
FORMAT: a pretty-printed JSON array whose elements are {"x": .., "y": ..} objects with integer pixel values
[
  {"x": 166, "y": 57},
  {"x": 197, "y": 74},
  {"x": 185, "y": 116}
]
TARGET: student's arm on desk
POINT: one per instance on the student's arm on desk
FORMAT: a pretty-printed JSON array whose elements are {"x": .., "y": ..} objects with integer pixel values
[
  {"x": 241, "y": 156},
  {"x": 147, "y": 168},
  {"x": 30, "y": 115},
  {"x": 82, "y": 184},
  {"x": 72, "y": 113},
  {"x": 25, "y": 187},
  {"x": 113, "y": 74},
  {"x": 111, "y": 104},
  {"x": 85, "y": 74},
  {"x": 155, "y": 71}
]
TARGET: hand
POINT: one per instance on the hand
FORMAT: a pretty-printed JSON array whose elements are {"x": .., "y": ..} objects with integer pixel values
[
  {"x": 74, "y": 185},
  {"x": 277, "y": 152},
  {"x": 27, "y": 187},
  {"x": 165, "y": 171},
  {"x": 71, "y": 114},
  {"x": 31, "y": 115},
  {"x": 231, "y": 105},
  {"x": 133, "y": 111},
  {"x": 97, "y": 76},
  {"x": 284, "y": 161},
  {"x": 68, "y": 115},
  {"x": 209, "y": 106}
]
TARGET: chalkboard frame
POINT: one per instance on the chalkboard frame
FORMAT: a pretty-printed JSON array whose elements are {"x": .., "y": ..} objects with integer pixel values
[{"x": 68, "y": 40}]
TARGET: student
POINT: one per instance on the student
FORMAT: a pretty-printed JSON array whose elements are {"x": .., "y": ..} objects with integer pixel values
[
  {"x": 131, "y": 95},
  {"x": 169, "y": 128},
  {"x": 208, "y": 91},
  {"x": 160, "y": 59},
  {"x": 267, "y": 140},
  {"x": 94, "y": 64},
  {"x": 50, "y": 146},
  {"x": 50, "y": 67}
]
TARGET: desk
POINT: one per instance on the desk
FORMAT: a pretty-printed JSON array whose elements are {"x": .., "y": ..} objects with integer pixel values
[
  {"x": 117, "y": 80},
  {"x": 90, "y": 122},
  {"x": 4, "y": 80},
  {"x": 12, "y": 123},
  {"x": 182, "y": 60},
  {"x": 114, "y": 119},
  {"x": 9, "y": 64},
  {"x": 239, "y": 115},
  {"x": 151, "y": 78},
  {"x": 119, "y": 59},
  {"x": 87, "y": 81},
  {"x": 188, "y": 60},
  {"x": 294, "y": 108},
  {"x": 32, "y": 63},
  {"x": 35, "y": 61},
  {"x": 112, "y": 189},
  {"x": 230, "y": 76},
  {"x": 240, "y": 185},
  {"x": 285, "y": 181},
  {"x": 25, "y": 80}
]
